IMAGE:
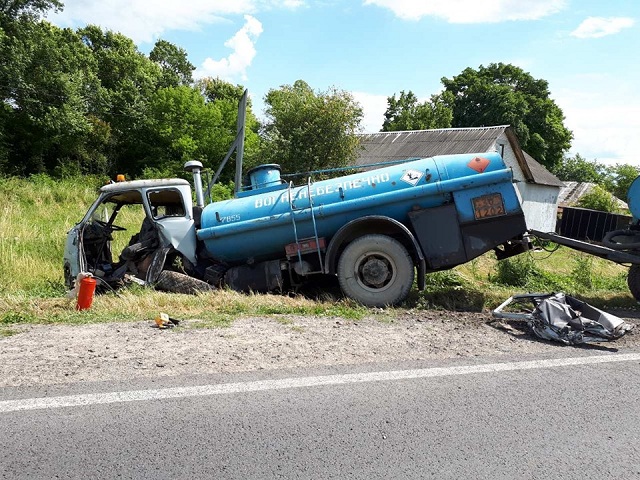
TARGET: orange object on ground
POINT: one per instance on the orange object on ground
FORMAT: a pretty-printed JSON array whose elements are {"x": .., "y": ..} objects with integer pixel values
[{"x": 85, "y": 293}]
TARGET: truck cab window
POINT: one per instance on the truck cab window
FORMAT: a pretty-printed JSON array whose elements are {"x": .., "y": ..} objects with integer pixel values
[{"x": 166, "y": 203}]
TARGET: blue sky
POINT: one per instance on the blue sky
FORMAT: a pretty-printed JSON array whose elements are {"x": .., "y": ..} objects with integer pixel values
[{"x": 586, "y": 49}]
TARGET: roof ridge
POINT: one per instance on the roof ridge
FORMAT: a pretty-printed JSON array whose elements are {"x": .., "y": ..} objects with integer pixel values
[{"x": 398, "y": 132}]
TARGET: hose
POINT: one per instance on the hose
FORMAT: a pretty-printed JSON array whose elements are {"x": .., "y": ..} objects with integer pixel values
[{"x": 609, "y": 242}]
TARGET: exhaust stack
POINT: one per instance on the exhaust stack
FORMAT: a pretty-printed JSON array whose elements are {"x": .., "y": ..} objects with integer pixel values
[{"x": 195, "y": 167}]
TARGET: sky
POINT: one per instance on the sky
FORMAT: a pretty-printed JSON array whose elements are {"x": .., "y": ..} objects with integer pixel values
[{"x": 587, "y": 50}]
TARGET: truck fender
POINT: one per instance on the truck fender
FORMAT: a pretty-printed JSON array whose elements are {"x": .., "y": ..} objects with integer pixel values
[{"x": 375, "y": 224}]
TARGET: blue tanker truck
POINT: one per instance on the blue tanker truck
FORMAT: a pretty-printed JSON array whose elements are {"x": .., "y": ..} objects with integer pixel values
[{"x": 377, "y": 230}]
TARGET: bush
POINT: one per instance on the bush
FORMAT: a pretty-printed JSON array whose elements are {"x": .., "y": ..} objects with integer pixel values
[
  {"x": 515, "y": 271},
  {"x": 599, "y": 199}
]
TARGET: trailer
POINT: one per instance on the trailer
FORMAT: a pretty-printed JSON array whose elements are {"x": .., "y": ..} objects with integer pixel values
[{"x": 613, "y": 237}]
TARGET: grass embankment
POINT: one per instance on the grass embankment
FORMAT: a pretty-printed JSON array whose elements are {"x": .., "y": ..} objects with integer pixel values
[{"x": 35, "y": 215}]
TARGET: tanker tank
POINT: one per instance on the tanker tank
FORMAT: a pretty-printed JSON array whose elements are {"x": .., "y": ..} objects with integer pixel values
[{"x": 258, "y": 223}]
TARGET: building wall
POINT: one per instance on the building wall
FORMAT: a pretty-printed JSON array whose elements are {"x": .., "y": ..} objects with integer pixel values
[
  {"x": 540, "y": 206},
  {"x": 539, "y": 202}
]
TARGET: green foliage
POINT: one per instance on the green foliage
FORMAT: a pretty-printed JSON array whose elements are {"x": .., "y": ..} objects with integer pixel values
[
  {"x": 515, "y": 271},
  {"x": 222, "y": 191},
  {"x": 181, "y": 125},
  {"x": 619, "y": 179},
  {"x": 30, "y": 10},
  {"x": 306, "y": 130},
  {"x": 579, "y": 169},
  {"x": 406, "y": 113},
  {"x": 448, "y": 290},
  {"x": 582, "y": 273},
  {"x": 505, "y": 94},
  {"x": 216, "y": 89},
  {"x": 50, "y": 84},
  {"x": 599, "y": 199},
  {"x": 615, "y": 179},
  {"x": 176, "y": 68},
  {"x": 226, "y": 96}
]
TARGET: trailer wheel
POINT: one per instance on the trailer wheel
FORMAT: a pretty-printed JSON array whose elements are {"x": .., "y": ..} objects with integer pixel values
[
  {"x": 176, "y": 282},
  {"x": 633, "y": 280},
  {"x": 376, "y": 271}
]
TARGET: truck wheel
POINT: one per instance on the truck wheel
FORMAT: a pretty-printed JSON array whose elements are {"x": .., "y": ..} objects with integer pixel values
[
  {"x": 176, "y": 282},
  {"x": 633, "y": 280},
  {"x": 376, "y": 271}
]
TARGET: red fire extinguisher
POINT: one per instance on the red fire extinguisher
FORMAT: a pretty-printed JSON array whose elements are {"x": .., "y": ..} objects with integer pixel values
[{"x": 85, "y": 293}]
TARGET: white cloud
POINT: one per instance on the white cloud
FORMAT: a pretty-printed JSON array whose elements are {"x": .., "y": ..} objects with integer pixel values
[
  {"x": 596, "y": 27},
  {"x": 373, "y": 108},
  {"x": 471, "y": 11},
  {"x": 602, "y": 111},
  {"x": 244, "y": 51},
  {"x": 145, "y": 20}
]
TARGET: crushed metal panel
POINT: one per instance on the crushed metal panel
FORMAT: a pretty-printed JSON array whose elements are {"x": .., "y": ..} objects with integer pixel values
[{"x": 562, "y": 318}]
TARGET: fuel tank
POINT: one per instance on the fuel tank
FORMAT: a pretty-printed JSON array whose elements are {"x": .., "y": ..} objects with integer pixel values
[{"x": 258, "y": 223}]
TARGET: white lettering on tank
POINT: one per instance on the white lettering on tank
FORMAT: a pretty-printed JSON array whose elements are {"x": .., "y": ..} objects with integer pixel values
[
  {"x": 264, "y": 202},
  {"x": 230, "y": 218}
]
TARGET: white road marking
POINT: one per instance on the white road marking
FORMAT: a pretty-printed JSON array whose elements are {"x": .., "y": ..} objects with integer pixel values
[{"x": 263, "y": 385}]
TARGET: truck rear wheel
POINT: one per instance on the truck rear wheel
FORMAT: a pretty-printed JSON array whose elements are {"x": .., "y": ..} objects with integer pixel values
[
  {"x": 376, "y": 271},
  {"x": 633, "y": 280}
]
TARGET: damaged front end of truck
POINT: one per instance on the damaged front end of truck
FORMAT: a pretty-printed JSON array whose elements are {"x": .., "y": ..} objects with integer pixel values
[{"x": 159, "y": 212}]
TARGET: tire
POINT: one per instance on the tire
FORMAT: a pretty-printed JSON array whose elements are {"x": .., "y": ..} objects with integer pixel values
[
  {"x": 376, "y": 271},
  {"x": 633, "y": 280},
  {"x": 176, "y": 282}
]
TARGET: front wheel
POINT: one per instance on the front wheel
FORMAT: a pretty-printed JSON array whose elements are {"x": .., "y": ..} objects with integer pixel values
[{"x": 376, "y": 271}]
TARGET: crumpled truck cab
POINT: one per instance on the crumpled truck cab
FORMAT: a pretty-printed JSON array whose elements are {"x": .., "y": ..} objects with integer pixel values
[{"x": 132, "y": 231}]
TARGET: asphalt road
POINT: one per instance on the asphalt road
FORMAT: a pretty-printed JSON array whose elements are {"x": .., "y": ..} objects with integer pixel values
[{"x": 517, "y": 418}]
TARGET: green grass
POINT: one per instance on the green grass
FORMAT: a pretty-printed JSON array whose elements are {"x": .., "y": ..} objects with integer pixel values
[{"x": 35, "y": 215}]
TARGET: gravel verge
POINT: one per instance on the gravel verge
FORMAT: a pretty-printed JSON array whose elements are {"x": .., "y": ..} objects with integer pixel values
[{"x": 58, "y": 354}]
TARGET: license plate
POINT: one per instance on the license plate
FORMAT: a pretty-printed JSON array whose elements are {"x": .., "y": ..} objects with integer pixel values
[{"x": 488, "y": 206}]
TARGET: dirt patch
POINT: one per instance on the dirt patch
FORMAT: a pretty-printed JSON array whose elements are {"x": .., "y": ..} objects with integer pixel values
[{"x": 47, "y": 355}]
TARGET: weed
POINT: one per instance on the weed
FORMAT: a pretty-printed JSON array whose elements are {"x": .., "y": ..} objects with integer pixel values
[
  {"x": 582, "y": 273},
  {"x": 515, "y": 271}
]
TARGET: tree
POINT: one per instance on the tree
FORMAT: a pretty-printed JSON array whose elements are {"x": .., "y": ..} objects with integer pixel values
[
  {"x": 226, "y": 96},
  {"x": 16, "y": 19},
  {"x": 181, "y": 127},
  {"x": 620, "y": 178},
  {"x": 176, "y": 68},
  {"x": 406, "y": 113},
  {"x": 30, "y": 10},
  {"x": 128, "y": 81},
  {"x": 306, "y": 130},
  {"x": 579, "y": 169},
  {"x": 505, "y": 94},
  {"x": 184, "y": 126},
  {"x": 51, "y": 84},
  {"x": 216, "y": 89}
]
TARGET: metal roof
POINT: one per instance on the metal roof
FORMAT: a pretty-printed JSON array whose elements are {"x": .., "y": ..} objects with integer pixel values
[
  {"x": 572, "y": 192},
  {"x": 388, "y": 146},
  {"x": 540, "y": 174}
]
